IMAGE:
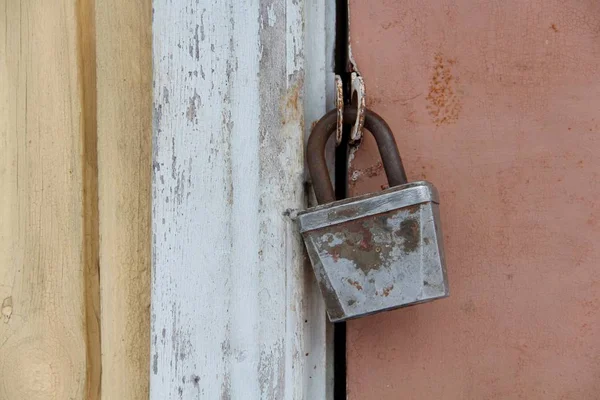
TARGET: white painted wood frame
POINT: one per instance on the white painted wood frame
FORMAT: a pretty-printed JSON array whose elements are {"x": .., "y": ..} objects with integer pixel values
[{"x": 236, "y": 313}]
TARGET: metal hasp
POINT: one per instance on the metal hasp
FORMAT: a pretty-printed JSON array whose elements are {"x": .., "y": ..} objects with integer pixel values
[{"x": 379, "y": 251}]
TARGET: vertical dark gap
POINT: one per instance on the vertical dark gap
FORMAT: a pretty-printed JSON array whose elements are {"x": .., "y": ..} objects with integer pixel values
[
  {"x": 341, "y": 183},
  {"x": 86, "y": 25}
]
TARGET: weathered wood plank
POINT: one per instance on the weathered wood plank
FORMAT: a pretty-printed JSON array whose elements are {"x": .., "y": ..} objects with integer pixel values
[
  {"x": 44, "y": 285},
  {"x": 124, "y": 95},
  {"x": 234, "y": 308},
  {"x": 319, "y": 36}
]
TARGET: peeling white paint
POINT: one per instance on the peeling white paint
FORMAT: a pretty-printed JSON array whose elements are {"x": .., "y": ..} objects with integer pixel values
[
  {"x": 236, "y": 313},
  {"x": 272, "y": 18}
]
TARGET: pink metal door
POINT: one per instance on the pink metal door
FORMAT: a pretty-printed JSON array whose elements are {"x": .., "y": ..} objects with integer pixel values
[{"x": 498, "y": 104}]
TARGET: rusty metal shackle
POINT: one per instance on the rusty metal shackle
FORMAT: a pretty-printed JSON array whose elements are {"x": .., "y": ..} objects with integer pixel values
[{"x": 317, "y": 166}]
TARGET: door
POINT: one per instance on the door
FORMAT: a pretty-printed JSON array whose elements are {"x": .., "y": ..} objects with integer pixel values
[{"x": 497, "y": 104}]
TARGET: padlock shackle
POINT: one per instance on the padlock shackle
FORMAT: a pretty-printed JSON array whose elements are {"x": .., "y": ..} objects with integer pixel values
[{"x": 317, "y": 166}]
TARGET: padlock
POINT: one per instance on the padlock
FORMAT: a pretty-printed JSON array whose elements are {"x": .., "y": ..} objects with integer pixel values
[{"x": 376, "y": 252}]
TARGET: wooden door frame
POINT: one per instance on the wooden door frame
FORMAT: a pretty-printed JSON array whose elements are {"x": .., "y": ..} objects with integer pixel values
[{"x": 235, "y": 309}]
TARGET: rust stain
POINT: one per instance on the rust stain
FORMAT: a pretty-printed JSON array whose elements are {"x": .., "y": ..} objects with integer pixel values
[
  {"x": 336, "y": 256},
  {"x": 348, "y": 213},
  {"x": 291, "y": 105},
  {"x": 359, "y": 101},
  {"x": 423, "y": 172},
  {"x": 444, "y": 104},
  {"x": 339, "y": 105},
  {"x": 411, "y": 233},
  {"x": 369, "y": 172},
  {"x": 413, "y": 209},
  {"x": 374, "y": 170},
  {"x": 362, "y": 239},
  {"x": 358, "y": 243},
  {"x": 387, "y": 290},
  {"x": 292, "y": 98},
  {"x": 333, "y": 307},
  {"x": 354, "y": 283}
]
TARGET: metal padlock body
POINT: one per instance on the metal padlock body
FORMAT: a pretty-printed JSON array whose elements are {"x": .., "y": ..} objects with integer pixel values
[{"x": 379, "y": 251}]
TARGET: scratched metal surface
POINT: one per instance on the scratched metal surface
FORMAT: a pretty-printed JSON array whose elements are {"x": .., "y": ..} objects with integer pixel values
[
  {"x": 370, "y": 204},
  {"x": 368, "y": 262}
]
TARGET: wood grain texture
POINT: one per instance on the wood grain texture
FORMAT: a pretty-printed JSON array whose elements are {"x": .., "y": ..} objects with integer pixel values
[
  {"x": 124, "y": 104},
  {"x": 91, "y": 263},
  {"x": 43, "y": 336},
  {"x": 234, "y": 309},
  {"x": 75, "y": 107}
]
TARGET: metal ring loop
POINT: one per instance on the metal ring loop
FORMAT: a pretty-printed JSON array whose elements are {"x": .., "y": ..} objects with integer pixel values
[{"x": 390, "y": 157}]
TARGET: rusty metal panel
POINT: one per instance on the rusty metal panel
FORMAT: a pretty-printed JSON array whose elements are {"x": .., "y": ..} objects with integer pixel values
[
  {"x": 497, "y": 103},
  {"x": 377, "y": 252}
]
